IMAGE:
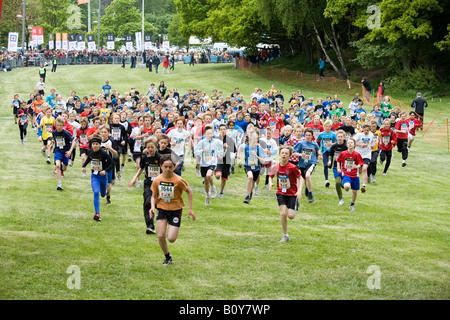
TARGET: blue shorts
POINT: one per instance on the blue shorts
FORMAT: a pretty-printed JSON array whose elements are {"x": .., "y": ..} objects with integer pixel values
[
  {"x": 109, "y": 174},
  {"x": 354, "y": 182},
  {"x": 336, "y": 173},
  {"x": 62, "y": 157}
]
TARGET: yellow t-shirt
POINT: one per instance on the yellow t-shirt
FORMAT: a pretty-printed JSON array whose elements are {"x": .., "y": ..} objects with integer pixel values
[
  {"x": 105, "y": 112},
  {"x": 47, "y": 126},
  {"x": 376, "y": 135}
]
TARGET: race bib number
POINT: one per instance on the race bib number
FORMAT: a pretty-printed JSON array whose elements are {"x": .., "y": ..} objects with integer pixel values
[
  {"x": 153, "y": 172},
  {"x": 96, "y": 165},
  {"x": 327, "y": 142},
  {"x": 349, "y": 164},
  {"x": 411, "y": 125},
  {"x": 60, "y": 143},
  {"x": 252, "y": 161},
  {"x": 83, "y": 139},
  {"x": 365, "y": 142},
  {"x": 48, "y": 128},
  {"x": 386, "y": 140},
  {"x": 115, "y": 134},
  {"x": 23, "y": 120},
  {"x": 404, "y": 126},
  {"x": 284, "y": 183},
  {"x": 308, "y": 154},
  {"x": 316, "y": 132},
  {"x": 166, "y": 191},
  {"x": 273, "y": 125},
  {"x": 348, "y": 135},
  {"x": 208, "y": 156}
]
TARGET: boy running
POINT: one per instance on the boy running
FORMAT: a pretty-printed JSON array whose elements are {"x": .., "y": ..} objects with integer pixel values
[
  {"x": 101, "y": 164},
  {"x": 64, "y": 144},
  {"x": 364, "y": 142},
  {"x": 150, "y": 162},
  {"x": 326, "y": 139},
  {"x": 348, "y": 164},
  {"x": 288, "y": 195},
  {"x": 335, "y": 151},
  {"x": 209, "y": 150},
  {"x": 387, "y": 141},
  {"x": 308, "y": 151},
  {"x": 47, "y": 123}
]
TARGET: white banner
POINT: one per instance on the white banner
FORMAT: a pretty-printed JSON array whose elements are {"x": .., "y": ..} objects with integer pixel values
[
  {"x": 129, "y": 46},
  {"x": 91, "y": 46},
  {"x": 166, "y": 45},
  {"x": 13, "y": 38},
  {"x": 138, "y": 41},
  {"x": 50, "y": 45}
]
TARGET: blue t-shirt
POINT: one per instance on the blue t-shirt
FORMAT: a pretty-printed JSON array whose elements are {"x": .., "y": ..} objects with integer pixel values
[
  {"x": 357, "y": 112},
  {"x": 242, "y": 123},
  {"x": 378, "y": 116},
  {"x": 63, "y": 141},
  {"x": 310, "y": 149},
  {"x": 250, "y": 159},
  {"x": 301, "y": 114},
  {"x": 106, "y": 88},
  {"x": 324, "y": 139},
  {"x": 51, "y": 99}
]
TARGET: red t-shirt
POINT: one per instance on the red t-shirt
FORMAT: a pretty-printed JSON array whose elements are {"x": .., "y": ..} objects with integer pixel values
[
  {"x": 276, "y": 124},
  {"x": 317, "y": 129},
  {"x": 413, "y": 124},
  {"x": 286, "y": 178},
  {"x": 82, "y": 138},
  {"x": 347, "y": 160},
  {"x": 402, "y": 125},
  {"x": 91, "y": 131},
  {"x": 335, "y": 126},
  {"x": 385, "y": 139}
]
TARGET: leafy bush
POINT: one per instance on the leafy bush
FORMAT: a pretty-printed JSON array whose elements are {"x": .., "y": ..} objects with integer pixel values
[{"x": 422, "y": 78}]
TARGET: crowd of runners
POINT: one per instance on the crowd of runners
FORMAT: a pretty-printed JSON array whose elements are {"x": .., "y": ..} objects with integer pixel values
[{"x": 278, "y": 140}]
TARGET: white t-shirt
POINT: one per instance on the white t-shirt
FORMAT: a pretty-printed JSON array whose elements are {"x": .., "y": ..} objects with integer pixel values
[
  {"x": 178, "y": 140},
  {"x": 368, "y": 140}
]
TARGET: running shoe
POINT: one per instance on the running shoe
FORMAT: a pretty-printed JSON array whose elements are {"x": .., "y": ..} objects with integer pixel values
[
  {"x": 48, "y": 160},
  {"x": 352, "y": 208},
  {"x": 167, "y": 261},
  {"x": 341, "y": 202},
  {"x": 285, "y": 238},
  {"x": 59, "y": 187},
  {"x": 247, "y": 200},
  {"x": 363, "y": 188},
  {"x": 150, "y": 230},
  {"x": 207, "y": 200},
  {"x": 97, "y": 217}
]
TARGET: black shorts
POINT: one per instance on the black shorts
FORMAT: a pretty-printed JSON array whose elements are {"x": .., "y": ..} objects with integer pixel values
[
  {"x": 309, "y": 167},
  {"x": 204, "y": 170},
  {"x": 45, "y": 141},
  {"x": 291, "y": 202},
  {"x": 136, "y": 155},
  {"x": 366, "y": 161},
  {"x": 255, "y": 172},
  {"x": 224, "y": 169},
  {"x": 173, "y": 217},
  {"x": 83, "y": 151}
]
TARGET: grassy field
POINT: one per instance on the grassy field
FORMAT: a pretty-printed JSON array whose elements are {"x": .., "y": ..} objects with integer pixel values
[{"x": 231, "y": 251}]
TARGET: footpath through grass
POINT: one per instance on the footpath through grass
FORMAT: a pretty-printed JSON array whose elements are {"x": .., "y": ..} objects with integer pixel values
[{"x": 401, "y": 224}]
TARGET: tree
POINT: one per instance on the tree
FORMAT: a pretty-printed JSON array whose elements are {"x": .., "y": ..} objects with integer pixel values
[{"x": 121, "y": 18}]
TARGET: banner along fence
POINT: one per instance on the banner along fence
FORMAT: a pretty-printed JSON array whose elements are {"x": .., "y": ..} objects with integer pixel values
[{"x": 330, "y": 85}]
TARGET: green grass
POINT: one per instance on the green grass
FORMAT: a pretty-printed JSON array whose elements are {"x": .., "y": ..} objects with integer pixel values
[{"x": 231, "y": 251}]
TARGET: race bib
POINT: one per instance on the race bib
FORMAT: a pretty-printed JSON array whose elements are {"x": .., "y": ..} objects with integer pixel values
[
  {"x": 349, "y": 164},
  {"x": 208, "y": 156},
  {"x": 23, "y": 120},
  {"x": 83, "y": 139},
  {"x": 284, "y": 183},
  {"x": 411, "y": 125},
  {"x": 153, "y": 172},
  {"x": 404, "y": 126},
  {"x": 96, "y": 165},
  {"x": 115, "y": 134},
  {"x": 166, "y": 191},
  {"x": 60, "y": 143},
  {"x": 316, "y": 132},
  {"x": 308, "y": 154},
  {"x": 386, "y": 140},
  {"x": 48, "y": 128},
  {"x": 252, "y": 161}
]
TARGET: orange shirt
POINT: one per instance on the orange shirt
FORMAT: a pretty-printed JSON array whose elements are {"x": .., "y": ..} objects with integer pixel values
[{"x": 168, "y": 192}]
